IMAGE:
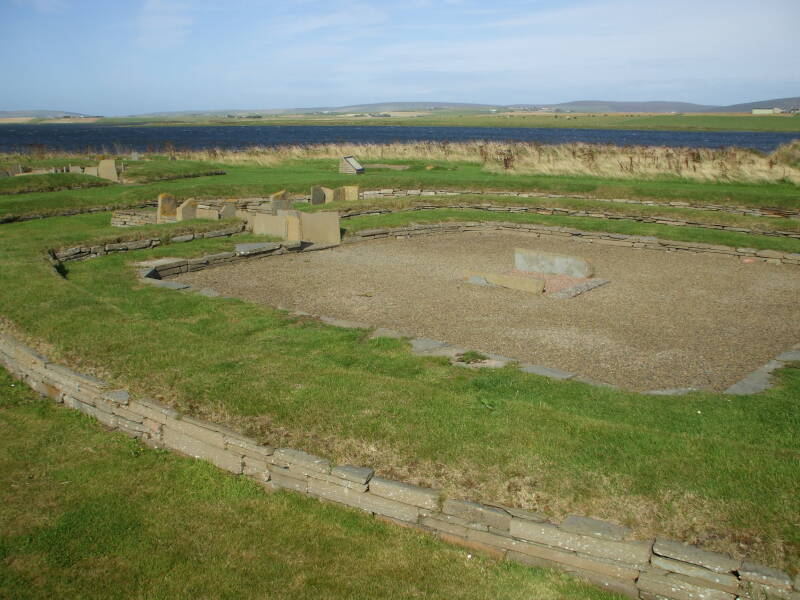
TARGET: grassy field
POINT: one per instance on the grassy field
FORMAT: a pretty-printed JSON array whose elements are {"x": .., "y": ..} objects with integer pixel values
[
  {"x": 297, "y": 176},
  {"x": 85, "y": 513},
  {"x": 718, "y": 471},
  {"x": 681, "y": 122},
  {"x": 49, "y": 182}
]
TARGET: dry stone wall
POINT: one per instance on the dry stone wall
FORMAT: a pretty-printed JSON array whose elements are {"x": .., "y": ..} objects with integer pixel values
[
  {"x": 739, "y": 210},
  {"x": 609, "y": 239},
  {"x": 600, "y": 552},
  {"x": 545, "y": 210}
]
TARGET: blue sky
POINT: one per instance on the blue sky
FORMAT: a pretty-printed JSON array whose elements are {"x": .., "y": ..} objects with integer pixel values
[{"x": 138, "y": 56}]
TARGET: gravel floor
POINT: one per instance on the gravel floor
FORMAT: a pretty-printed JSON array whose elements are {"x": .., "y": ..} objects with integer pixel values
[{"x": 665, "y": 320}]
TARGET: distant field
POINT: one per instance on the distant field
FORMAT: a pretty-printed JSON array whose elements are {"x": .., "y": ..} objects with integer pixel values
[{"x": 680, "y": 122}]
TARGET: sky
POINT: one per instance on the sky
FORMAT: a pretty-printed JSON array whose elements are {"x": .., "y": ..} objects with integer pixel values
[{"x": 140, "y": 56}]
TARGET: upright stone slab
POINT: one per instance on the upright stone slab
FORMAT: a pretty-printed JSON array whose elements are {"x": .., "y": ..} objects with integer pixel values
[
  {"x": 320, "y": 228},
  {"x": 91, "y": 171},
  {"x": 280, "y": 201},
  {"x": 536, "y": 261},
  {"x": 75, "y": 169},
  {"x": 350, "y": 165},
  {"x": 317, "y": 195},
  {"x": 272, "y": 225},
  {"x": 228, "y": 210},
  {"x": 167, "y": 208},
  {"x": 107, "y": 169},
  {"x": 14, "y": 170},
  {"x": 294, "y": 227},
  {"x": 350, "y": 193},
  {"x": 329, "y": 194},
  {"x": 187, "y": 210},
  {"x": 207, "y": 212}
]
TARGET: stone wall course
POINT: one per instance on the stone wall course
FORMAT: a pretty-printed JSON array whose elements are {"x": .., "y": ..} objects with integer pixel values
[
  {"x": 670, "y": 586},
  {"x": 714, "y": 561},
  {"x": 405, "y": 492},
  {"x": 478, "y": 513}
]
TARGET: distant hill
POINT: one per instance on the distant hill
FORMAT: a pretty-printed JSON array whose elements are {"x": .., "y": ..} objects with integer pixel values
[
  {"x": 784, "y": 103},
  {"x": 601, "y": 106},
  {"x": 39, "y": 114}
]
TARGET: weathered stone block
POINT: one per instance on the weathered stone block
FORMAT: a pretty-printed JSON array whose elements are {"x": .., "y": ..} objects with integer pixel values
[
  {"x": 317, "y": 195},
  {"x": 320, "y": 228},
  {"x": 107, "y": 169},
  {"x": 405, "y": 492},
  {"x": 206, "y": 212},
  {"x": 478, "y": 513},
  {"x": 359, "y": 487},
  {"x": 722, "y": 581},
  {"x": 768, "y": 576},
  {"x": 196, "y": 429},
  {"x": 256, "y": 468},
  {"x": 633, "y": 553},
  {"x": 290, "y": 481},
  {"x": 187, "y": 210},
  {"x": 547, "y": 262},
  {"x": 272, "y": 225},
  {"x": 190, "y": 446},
  {"x": 445, "y": 526},
  {"x": 299, "y": 459},
  {"x": 670, "y": 586},
  {"x": 247, "y": 447},
  {"x": 363, "y": 500},
  {"x": 719, "y": 563},
  {"x": 595, "y": 528},
  {"x": 360, "y": 475}
]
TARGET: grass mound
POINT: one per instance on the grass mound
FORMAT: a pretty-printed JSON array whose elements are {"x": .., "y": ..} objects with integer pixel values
[{"x": 49, "y": 182}]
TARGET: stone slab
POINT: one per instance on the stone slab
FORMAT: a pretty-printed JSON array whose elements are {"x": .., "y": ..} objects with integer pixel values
[
  {"x": 405, "y": 493},
  {"x": 512, "y": 282},
  {"x": 633, "y": 553},
  {"x": 546, "y": 371},
  {"x": 670, "y": 586},
  {"x": 107, "y": 169},
  {"x": 363, "y": 500},
  {"x": 578, "y": 289},
  {"x": 252, "y": 248},
  {"x": 595, "y": 528},
  {"x": 298, "y": 458},
  {"x": 190, "y": 446},
  {"x": 477, "y": 513},
  {"x": 760, "y": 574},
  {"x": 351, "y": 473},
  {"x": 717, "y": 562},
  {"x": 320, "y": 228},
  {"x": 548, "y": 262},
  {"x": 724, "y": 581}
]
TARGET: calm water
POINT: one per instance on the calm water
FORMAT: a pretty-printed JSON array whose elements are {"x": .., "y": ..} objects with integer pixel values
[{"x": 121, "y": 138}]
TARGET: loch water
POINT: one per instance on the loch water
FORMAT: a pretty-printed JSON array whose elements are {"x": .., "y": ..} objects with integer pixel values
[{"x": 118, "y": 139}]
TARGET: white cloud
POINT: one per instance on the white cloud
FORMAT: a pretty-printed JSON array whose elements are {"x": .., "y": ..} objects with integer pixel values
[{"x": 163, "y": 24}]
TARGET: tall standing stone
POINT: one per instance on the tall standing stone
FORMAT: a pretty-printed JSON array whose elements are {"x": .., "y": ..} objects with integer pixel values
[
  {"x": 107, "y": 169},
  {"x": 167, "y": 209}
]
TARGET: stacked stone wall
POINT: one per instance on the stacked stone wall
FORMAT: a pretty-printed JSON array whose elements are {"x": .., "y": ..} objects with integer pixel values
[
  {"x": 603, "y": 553},
  {"x": 566, "y": 212},
  {"x": 609, "y": 239}
]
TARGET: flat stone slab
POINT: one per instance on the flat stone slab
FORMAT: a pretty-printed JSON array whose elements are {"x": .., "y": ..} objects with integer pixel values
[
  {"x": 546, "y": 371},
  {"x": 672, "y": 391},
  {"x": 208, "y": 293},
  {"x": 256, "y": 248},
  {"x": 548, "y": 262},
  {"x": 578, "y": 289},
  {"x": 167, "y": 284},
  {"x": 425, "y": 345},
  {"x": 595, "y": 528},
  {"x": 512, "y": 282}
]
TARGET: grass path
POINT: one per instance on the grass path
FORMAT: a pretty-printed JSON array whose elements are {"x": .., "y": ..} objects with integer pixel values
[{"x": 86, "y": 513}]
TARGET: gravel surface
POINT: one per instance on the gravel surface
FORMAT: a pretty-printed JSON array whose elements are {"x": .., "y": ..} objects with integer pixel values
[{"x": 667, "y": 319}]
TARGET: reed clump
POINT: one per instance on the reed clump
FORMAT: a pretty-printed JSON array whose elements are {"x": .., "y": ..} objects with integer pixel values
[
  {"x": 628, "y": 162},
  {"x": 600, "y": 160}
]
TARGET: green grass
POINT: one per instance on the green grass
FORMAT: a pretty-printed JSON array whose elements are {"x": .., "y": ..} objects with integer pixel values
[
  {"x": 49, "y": 182},
  {"x": 164, "y": 170},
  {"x": 701, "y": 122},
  {"x": 85, "y": 513},
  {"x": 718, "y": 471},
  {"x": 299, "y": 176}
]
